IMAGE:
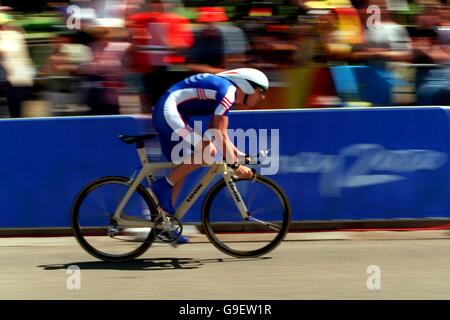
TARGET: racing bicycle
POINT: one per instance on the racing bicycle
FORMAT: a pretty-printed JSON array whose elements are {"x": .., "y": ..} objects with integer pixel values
[{"x": 117, "y": 218}]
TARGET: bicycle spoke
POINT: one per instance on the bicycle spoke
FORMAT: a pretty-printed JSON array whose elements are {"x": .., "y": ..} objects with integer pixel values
[
  {"x": 272, "y": 226},
  {"x": 91, "y": 220},
  {"x": 265, "y": 228}
]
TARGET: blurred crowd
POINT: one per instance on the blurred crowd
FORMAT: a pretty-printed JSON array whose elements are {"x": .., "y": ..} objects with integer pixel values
[{"x": 104, "y": 57}]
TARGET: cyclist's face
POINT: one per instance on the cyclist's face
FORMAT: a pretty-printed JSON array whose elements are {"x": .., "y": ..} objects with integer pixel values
[
  {"x": 252, "y": 99},
  {"x": 255, "y": 98}
]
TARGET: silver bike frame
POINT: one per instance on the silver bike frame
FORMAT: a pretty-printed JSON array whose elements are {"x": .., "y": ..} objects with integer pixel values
[{"x": 147, "y": 172}]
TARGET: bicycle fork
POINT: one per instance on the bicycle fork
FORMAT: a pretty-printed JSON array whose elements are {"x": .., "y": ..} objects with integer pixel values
[
  {"x": 237, "y": 198},
  {"x": 241, "y": 204}
]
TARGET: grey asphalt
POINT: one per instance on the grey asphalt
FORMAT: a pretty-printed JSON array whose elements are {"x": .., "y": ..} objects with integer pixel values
[{"x": 331, "y": 265}]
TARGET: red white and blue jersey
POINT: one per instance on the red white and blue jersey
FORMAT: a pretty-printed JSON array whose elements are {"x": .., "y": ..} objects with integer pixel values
[
  {"x": 202, "y": 94},
  {"x": 199, "y": 95}
]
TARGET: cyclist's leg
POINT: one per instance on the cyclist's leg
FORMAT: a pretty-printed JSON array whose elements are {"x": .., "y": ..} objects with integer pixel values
[
  {"x": 180, "y": 143},
  {"x": 188, "y": 148},
  {"x": 167, "y": 126},
  {"x": 178, "y": 174}
]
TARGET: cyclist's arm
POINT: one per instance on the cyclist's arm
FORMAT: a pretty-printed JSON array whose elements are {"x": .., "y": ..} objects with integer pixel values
[
  {"x": 221, "y": 124},
  {"x": 231, "y": 153}
]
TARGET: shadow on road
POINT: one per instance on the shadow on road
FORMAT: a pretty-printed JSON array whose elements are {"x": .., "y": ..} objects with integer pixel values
[{"x": 153, "y": 264}]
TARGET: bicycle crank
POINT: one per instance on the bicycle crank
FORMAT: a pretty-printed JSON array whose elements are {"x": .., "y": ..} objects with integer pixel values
[
  {"x": 112, "y": 229},
  {"x": 168, "y": 228}
]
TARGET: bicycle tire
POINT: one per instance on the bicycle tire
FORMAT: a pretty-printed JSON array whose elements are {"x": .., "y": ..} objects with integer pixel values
[
  {"x": 82, "y": 237},
  {"x": 218, "y": 231}
]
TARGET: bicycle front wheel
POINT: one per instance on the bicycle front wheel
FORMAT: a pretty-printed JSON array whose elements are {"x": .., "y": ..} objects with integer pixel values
[
  {"x": 99, "y": 234},
  {"x": 232, "y": 234}
]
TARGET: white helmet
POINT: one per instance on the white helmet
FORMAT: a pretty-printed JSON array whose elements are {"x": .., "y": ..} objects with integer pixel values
[{"x": 246, "y": 79}]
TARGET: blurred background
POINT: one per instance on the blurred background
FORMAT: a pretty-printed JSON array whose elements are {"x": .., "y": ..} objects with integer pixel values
[{"x": 96, "y": 57}]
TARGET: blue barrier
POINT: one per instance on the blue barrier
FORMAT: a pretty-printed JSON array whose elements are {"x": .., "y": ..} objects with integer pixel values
[
  {"x": 357, "y": 164},
  {"x": 334, "y": 164},
  {"x": 45, "y": 162}
]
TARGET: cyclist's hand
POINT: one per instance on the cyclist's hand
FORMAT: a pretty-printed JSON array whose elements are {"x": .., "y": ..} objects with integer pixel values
[
  {"x": 248, "y": 159},
  {"x": 244, "y": 172}
]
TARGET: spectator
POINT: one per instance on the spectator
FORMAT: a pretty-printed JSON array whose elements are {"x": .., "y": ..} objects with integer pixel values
[
  {"x": 236, "y": 45},
  {"x": 157, "y": 34},
  {"x": 431, "y": 46},
  {"x": 16, "y": 65},
  {"x": 60, "y": 69},
  {"x": 330, "y": 37},
  {"x": 443, "y": 29},
  {"x": 386, "y": 41},
  {"x": 103, "y": 75},
  {"x": 427, "y": 51},
  {"x": 207, "y": 54}
]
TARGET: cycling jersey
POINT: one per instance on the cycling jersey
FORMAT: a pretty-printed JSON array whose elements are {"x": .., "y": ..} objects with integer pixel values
[{"x": 201, "y": 94}]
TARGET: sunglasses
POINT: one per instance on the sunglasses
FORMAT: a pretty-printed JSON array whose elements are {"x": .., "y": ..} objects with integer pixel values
[{"x": 260, "y": 90}]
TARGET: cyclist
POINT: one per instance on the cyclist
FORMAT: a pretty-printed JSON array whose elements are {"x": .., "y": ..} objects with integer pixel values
[{"x": 202, "y": 94}]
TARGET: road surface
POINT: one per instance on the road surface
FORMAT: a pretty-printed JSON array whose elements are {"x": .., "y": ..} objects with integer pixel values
[{"x": 331, "y": 265}]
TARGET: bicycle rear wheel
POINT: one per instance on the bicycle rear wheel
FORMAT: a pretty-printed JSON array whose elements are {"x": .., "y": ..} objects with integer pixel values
[
  {"x": 269, "y": 211},
  {"x": 98, "y": 233}
]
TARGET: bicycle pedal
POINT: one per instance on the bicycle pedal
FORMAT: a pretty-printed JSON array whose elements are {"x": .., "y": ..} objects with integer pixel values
[
  {"x": 168, "y": 228},
  {"x": 112, "y": 231},
  {"x": 169, "y": 236}
]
